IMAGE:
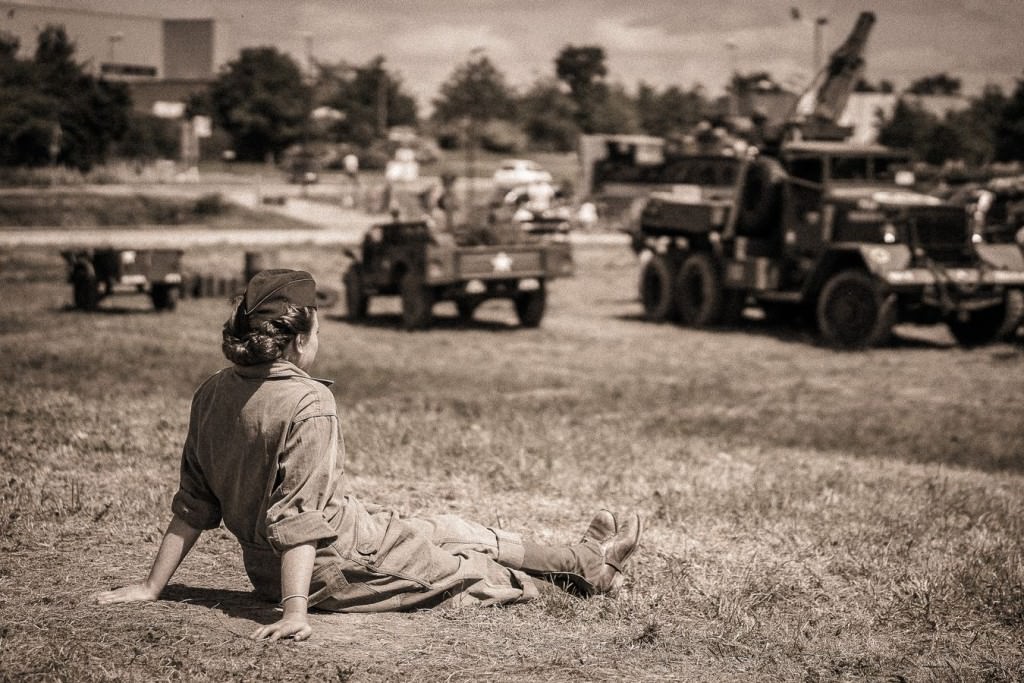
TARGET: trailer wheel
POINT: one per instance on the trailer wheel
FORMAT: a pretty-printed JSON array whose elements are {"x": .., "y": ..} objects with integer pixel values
[
  {"x": 990, "y": 324},
  {"x": 466, "y": 308},
  {"x": 417, "y": 302},
  {"x": 701, "y": 300},
  {"x": 656, "y": 288},
  {"x": 530, "y": 307},
  {"x": 853, "y": 312},
  {"x": 164, "y": 297},
  {"x": 85, "y": 288},
  {"x": 357, "y": 303}
]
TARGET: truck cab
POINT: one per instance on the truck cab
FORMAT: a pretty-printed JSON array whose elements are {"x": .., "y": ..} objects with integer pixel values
[
  {"x": 423, "y": 266},
  {"x": 829, "y": 230}
]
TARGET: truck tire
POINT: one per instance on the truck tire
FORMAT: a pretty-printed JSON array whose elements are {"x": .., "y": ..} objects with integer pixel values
[
  {"x": 164, "y": 297},
  {"x": 357, "y": 303},
  {"x": 990, "y": 324},
  {"x": 701, "y": 300},
  {"x": 417, "y": 302},
  {"x": 530, "y": 307},
  {"x": 85, "y": 288},
  {"x": 853, "y": 311},
  {"x": 656, "y": 288}
]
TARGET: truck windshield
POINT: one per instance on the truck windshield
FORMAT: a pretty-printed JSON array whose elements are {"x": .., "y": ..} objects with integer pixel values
[
  {"x": 849, "y": 168},
  {"x": 885, "y": 168}
]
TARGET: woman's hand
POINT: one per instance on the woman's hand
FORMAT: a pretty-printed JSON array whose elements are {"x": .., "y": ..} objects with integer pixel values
[
  {"x": 293, "y": 626},
  {"x": 137, "y": 592}
]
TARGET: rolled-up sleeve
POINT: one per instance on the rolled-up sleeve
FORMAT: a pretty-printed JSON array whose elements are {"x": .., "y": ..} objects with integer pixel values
[
  {"x": 304, "y": 485},
  {"x": 194, "y": 502}
]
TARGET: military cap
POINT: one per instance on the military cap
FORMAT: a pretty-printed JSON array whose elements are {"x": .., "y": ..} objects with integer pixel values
[{"x": 269, "y": 293}]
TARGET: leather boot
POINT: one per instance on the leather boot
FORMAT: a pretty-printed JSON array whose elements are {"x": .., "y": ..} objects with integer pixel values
[
  {"x": 602, "y": 527},
  {"x": 603, "y": 575}
]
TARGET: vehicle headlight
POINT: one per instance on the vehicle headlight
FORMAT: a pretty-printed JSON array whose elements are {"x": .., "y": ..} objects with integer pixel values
[
  {"x": 889, "y": 233},
  {"x": 1020, "y": 237}
]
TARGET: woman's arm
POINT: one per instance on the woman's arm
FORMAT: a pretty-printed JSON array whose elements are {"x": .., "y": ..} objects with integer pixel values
[
  {"x": 296, "y": 571},
  {"x": 178, "y": 540}
]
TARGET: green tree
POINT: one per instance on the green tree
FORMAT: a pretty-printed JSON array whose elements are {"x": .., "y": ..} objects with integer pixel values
[
  {"x": 548, "y": 117},
  {"x": 475, "y": 91},
  {"x": 260, "y": 100},
  {"x": 370, "y": 98},
  {"x": 909, "y": 127},
  {"x": 1009, "y": 133},
  {"x": 582, "y": 68},
  {"x": 937, "y": 84},
  {"x": 977, "y": 126},
  {"x": 52, "y": 105},
  {"x": 883, "y": 86},
  {"x": 614, "y": 112},
  {"x": 672, "y": 111}
]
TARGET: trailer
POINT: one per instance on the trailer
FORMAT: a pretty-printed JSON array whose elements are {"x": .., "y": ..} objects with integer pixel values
[{"x": 95, "y": 274}]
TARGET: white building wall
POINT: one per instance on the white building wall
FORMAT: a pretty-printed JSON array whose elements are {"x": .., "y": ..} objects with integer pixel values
[{"x": 99, "y": 37}]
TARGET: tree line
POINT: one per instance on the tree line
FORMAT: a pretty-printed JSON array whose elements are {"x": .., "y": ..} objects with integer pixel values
[{"x": 263, "y": 102}]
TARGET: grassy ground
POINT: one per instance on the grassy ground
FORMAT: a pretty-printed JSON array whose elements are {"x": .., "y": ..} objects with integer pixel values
[{"x": 810, "y": 514}]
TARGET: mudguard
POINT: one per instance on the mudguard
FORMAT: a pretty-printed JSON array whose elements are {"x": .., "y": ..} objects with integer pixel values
[
  {"x": 882, "y": 259},
  {"x": 1002, "y": 256}
]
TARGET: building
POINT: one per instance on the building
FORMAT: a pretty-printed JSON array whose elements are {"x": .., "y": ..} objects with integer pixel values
[{"x": 162, "y": 60}]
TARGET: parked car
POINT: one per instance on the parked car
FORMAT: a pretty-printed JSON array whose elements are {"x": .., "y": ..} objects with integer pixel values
[{"x": 515, "y": 172}]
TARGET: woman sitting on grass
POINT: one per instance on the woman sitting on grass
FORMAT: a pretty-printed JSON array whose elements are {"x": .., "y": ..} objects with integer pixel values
[{"x": 264, "y": 454}]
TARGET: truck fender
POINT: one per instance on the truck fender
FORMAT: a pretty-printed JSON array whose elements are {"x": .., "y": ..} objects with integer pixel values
[
  {"x": 1002, "y": 256},
  {"x": 876, "y": 259},
  {"x": 881, "y": 259},
  {"x": 831, "y": 262}
]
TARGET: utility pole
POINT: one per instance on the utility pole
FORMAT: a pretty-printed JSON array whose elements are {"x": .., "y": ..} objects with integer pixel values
[
  {"x": 730, "y": 46},
  {"x": 382, "y": 103},
  {"x": 308, "y": 38},
  {"x": 819, "y": 28},
  {"x": 114, "y": 39}
]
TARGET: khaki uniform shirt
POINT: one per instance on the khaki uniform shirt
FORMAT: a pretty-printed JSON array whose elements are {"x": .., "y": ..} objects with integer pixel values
[{"x": 264, "y": 454}]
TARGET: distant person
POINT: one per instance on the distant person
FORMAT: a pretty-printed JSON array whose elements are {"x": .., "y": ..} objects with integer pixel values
[
  {"x": 265, "y": 456},
  {"x": 447, "y": 201},
  {"x": 350, "y": 165}
]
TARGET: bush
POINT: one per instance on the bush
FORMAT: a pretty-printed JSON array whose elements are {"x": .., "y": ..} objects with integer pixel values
[
  {"x": 503, "y": 137},
  {"x": 209, "y": 205}
]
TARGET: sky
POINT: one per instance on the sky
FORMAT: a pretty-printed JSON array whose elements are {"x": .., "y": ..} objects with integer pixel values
[{"x": 660, "y": 42}]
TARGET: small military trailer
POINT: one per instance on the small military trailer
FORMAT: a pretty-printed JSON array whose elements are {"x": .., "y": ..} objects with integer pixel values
[
  {"x": 97, "y": 273},
  {"x": 422, "y": 266},
  {"x": 827, "y": 231}
]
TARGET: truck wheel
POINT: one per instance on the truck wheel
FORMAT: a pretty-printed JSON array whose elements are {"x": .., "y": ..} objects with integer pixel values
[
  {"x": 530, "y": 307},
  {"x": 357, "y": 303},
  {"x": 85, "y": 289},
  {"x": 853, "y": 312},
  {"x": 656, "y": 288},
  {"x": 990, "y": 324},
  {"x": 164, "y": 297},
  {"x": 417, "y": 302},
  {"x": 701, "y": 301}
]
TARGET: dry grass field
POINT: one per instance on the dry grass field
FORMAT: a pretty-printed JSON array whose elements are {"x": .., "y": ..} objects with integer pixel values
[{"x": 811, "y": 515}]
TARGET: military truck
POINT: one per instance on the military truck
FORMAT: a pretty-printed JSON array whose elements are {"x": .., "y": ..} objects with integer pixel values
[
  {"x": 423, "y": 266},
  {"x": 828, "y": 230},
  {"x": 97, "y": 273}
]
